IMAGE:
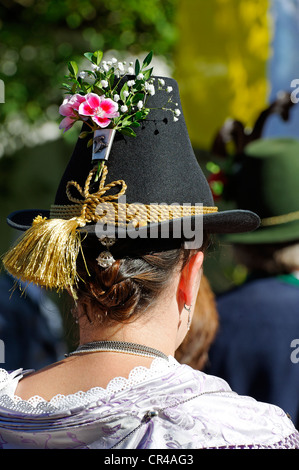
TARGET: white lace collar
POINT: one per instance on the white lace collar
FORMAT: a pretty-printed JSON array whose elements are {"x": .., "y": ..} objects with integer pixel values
[{"x": 37, "y": 404}]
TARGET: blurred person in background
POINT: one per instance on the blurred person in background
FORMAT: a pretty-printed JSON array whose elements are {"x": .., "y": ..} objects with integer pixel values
[
  {"x": 259, "y": 320},
  {"x": 30, "y": 326}
]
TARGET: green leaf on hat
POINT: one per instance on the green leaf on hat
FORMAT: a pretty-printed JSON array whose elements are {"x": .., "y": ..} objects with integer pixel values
[
  {"x": 83, "y": 134},
  {"x": 97, "y": 57},
  {"x": 74, "y": 88},
  {"x": 148, "y": 73},
  {"x": 137, "y": 67},
  {"x": 89, "y": 56},
  {"x": 73, "y": 67},
  {"x": 137, "y": 97},
  {"x": 148, "y": 59},
  {"x": 94, "y": 57},
  {"x": 124, "y": 88},
  {"x": 128, "y": 131}
]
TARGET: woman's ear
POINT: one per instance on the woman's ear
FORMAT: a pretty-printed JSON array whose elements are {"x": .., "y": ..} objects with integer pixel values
[{"x": 189, "y": 280}]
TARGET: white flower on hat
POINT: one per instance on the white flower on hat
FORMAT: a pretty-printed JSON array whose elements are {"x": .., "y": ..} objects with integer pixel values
[
  {"x": 169, "y": 89},
  {"x": 105, "y": 66},
  {"x": 126, "y": 93},
  {"x": 94, "y": 67},
  {"x": 131, "y": 83},
  {"x": 151, "y": 89},
  {"x": 104, "y": 83},
  {"x": 140, "y": 104},
  {"x": 116, "y": 97},
  {"x": 124, "y": 108},
  {"x": 140, "y": 76}
]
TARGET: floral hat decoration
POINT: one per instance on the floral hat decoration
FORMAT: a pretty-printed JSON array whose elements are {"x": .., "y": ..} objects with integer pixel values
[
  {"x": 102, "y": 104},
  {"x": 132, "y": 170}
]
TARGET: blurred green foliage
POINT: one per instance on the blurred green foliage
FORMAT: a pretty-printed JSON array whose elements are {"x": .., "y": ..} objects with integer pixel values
[{"x": 38, "y": 37}]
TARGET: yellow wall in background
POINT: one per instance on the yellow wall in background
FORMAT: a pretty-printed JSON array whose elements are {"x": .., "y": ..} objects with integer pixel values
[{"x": 221, "y": 63}]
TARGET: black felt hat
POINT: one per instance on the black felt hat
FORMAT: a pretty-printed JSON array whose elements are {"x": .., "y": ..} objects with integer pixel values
[
  {"x": 154, "y": 177},
  {"x": 158, "y": 166}
]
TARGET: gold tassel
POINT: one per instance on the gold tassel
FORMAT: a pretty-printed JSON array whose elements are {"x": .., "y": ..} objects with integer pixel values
[{"x": 46, "y": 254}]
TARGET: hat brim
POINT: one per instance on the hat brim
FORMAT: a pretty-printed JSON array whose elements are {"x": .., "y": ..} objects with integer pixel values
[
  {"x": 226, "y": 222},
  {"x": 282, "y": 233}
]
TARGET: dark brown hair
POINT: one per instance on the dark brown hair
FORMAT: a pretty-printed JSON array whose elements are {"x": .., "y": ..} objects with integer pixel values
[{"x": 124, "y": 290}]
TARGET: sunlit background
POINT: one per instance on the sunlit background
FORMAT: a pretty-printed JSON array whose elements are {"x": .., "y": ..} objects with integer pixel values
[{"x": 230, "y": 57}]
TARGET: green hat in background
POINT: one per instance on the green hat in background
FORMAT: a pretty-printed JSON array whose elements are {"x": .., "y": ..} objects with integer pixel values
[
  {"x": 264, "y": 178},
  {"x": 268, "y": 184}
]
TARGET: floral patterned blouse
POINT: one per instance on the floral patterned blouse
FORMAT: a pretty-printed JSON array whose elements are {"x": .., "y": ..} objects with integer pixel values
[{"x": 166, "y": 406}]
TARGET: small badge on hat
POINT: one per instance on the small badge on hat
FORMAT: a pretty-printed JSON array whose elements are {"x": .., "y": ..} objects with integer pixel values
[{"x": 102, "y": 143}]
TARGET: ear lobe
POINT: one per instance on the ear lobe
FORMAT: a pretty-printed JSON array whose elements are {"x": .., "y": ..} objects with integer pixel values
[{"x": 189, "y": 280}]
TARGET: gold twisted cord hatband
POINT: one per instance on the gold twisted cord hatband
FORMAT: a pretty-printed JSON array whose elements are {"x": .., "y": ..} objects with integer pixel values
[
  {"x": 280, "y": 219},
  {"x": 99, "y": 206},
  {"x": 122, "y": 214}
]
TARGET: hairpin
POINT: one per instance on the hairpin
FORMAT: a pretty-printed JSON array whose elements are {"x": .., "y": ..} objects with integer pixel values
[{"x": 105, "y": 258}]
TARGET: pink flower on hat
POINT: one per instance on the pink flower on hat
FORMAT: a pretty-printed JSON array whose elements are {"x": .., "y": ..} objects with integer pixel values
[
  {"x": 69, "y": 109},
  {"x": 100, "y": 108}
]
